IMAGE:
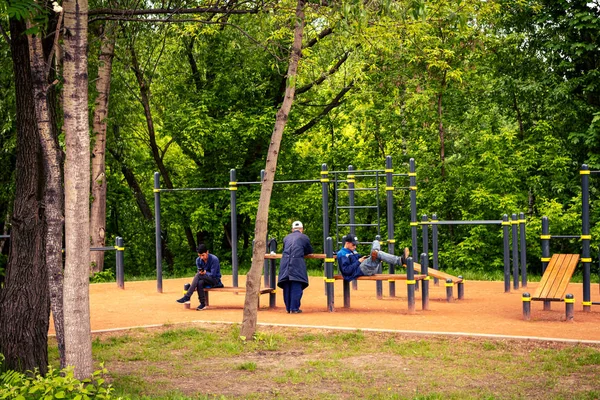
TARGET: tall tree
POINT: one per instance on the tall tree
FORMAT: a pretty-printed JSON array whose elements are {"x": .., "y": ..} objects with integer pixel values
[
  {"x": 24, "y": 300},
  {"x": 43, "y": 91},
  {"x": 262, "y": 215},
  {"x": 78, "y": 341},
  {"x": 98, "y": 200}
]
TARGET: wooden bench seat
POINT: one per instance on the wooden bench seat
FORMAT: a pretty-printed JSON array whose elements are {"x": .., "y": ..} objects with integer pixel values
[
  {"x": 241, "y": 289},
  {"x": 556, "y": 278},
  {"x": 438, "y": 274},
  {"x": 383, "y": 277}
]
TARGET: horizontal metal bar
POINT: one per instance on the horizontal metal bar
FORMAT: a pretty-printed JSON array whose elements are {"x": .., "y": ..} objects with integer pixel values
[
  {"x": 358, "y": 224},
  {"x": 4, "y": 236},
  {"x": 356, "y": 189},
  {"x": 565, "y": 236},
  {"x": 102, "y": 248},
  {"x": 300, "y": 181},
  {"x": 249, "y": 183},
  {"x": 191, "y": 189},
  {"x": 351, "y": 207},
  {"x": 481, "y": 222},
  {"x": 595, "y": 172},
  {"x": 360, "y": 171}
]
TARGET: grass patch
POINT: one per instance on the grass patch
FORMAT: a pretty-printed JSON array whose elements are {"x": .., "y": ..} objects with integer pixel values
[{"x": 208, "y": 362}]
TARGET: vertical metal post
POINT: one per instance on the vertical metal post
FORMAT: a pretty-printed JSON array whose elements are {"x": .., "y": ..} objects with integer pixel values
[
  {"x": 234, "y": 236},
  {"x": 413, "y": 205},
  {"x": 526, "y": 306},
  {"x": 569, "y": 304},
  {"x": 449, "y": 290},
  {"x": 460, "y": 287},
  {"x": 425, "y": 291},
  {"x": 585, "y": 236},
  {"x": 505, "y": 225},
  {"x": 389, "y": 192},
  {"x": 545, "y": 243},
  {"x": 523, "y": 246},
  {"x": 119, "y": 262},
  {"x": 434, "y": 243},
  {"x": 425, "y": 233},
  {"x": 346, "y": 286},
  {"x": 351, "y": 179},
  {"x": 378, "y": 284},
  {"x": 267, "y": 264},
  {"x": 515, "y": 250},
  {"x": 157, "y": 232},
  {"x": 325, "y": 205},
  {"x": 410, "y": 284},
  {"x": 329, "y": 273},
  {"x": 272, "y": 274}
]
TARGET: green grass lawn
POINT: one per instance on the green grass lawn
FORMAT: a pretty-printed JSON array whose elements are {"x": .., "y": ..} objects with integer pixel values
[{"x": 210, "y": 361}]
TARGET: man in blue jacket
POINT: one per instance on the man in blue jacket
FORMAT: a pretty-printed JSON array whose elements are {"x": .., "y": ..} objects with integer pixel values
[
  {"x": 293, "y": 278},
  {"x": 208, "y": 275},
  {"x": 352, "y": 264}
]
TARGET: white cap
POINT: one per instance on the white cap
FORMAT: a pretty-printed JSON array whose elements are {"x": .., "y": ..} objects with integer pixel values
[{"x": 297, "y": 225}]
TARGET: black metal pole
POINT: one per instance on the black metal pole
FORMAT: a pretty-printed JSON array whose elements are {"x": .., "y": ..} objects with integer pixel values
[
  {"x": 413, "y": 205},
  {"x": 325, "y": 205},
  {"x": 526, "y": 306},
  {"x": 351, "y": 179},
  {"x": 545, "y": 243},
  {"x": 410, "y": 284},
  {"x": 329, "y": 281},
  {"x": 272, "y": 274},
  {"x": 515, "y": 250},
  {"x": 119, "y": 262},
  {"x": 158, "y": 243},
  {"x": 234, "y": 235},
  {"x": 425, "y": 290},
  {"x": 434, "y": 243},
  {"x": 505, "y": 225},
  {"x": 585, "y": 236},
  {"x": 569, "y": 304},
  {"x": 523, "y": 246},
  {"x": 389, "y": 192}
]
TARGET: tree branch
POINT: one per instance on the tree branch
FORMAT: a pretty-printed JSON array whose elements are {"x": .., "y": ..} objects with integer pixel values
[
  {"x": 158, "y": 11},
  {"x": 335, "y": 103},
  {"x": 324, "y": 76},
  {"x": 313, "y": 41}
]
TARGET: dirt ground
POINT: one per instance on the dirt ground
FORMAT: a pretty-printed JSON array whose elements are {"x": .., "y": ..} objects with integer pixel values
[{"x": 486, "y": 309}]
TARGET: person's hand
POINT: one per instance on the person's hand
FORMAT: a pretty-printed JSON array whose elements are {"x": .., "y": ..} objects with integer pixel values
[
  {"x": 202, "y": 272},
  {"x": 363, "y": 258}
]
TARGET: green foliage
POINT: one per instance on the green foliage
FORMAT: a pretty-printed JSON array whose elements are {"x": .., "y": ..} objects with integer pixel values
[
  {"x": 55, "y": 385},
  {"x": 107, "y": 275}
]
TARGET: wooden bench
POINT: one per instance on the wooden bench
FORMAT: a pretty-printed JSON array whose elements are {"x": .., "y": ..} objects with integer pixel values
[
  {"x": 556, "y": 278},
  {"x": 235, "y": 290},
  {"x": 438, "y": 274}
]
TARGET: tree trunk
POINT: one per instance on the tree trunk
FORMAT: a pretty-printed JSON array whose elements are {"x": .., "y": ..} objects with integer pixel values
[
  {"x": 53, "y": 193},
  {"x": 262, "y": 216},
  {"x": 77, "y": 191},
  {"x": 24, "y": 299},
  {"x": 98, "y": 208}
]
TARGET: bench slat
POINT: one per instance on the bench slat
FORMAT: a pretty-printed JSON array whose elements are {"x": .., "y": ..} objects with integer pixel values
[
  {"x": 237, "y": 289},
  {"x": 383, "y": 277},
  {"x": 437, "y": 274},
  {"x": 548, "y": 277},
  {"x": 567, "y": 272}
]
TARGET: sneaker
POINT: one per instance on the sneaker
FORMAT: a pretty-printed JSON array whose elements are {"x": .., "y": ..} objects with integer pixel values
[
  {"x": 374, "y": 254},
  {"x": 201, "y": 307},
  {"x": 184, "y": 299},
  {"x": 296, "y": 311}
]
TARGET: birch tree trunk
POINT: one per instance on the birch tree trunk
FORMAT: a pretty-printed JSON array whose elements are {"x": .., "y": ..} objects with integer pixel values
[
  {"x": 262, "y": 216},
  {"x": 53, "y": 191},
  {"x": 98, "y": 208},
  {"x": 24, "y": 300},
  {"x": 78, "y": 341}
]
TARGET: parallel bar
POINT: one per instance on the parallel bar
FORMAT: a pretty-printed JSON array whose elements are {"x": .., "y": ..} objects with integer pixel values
[
  {"x": 357, "y": 189},
  {"x": 565, "y": 236},
  {"x": 475, "y": 222},
  {"x": 353, "y": 225},
  {"x": 355, "y": 207},
  {"x": 193, "y": 189}
]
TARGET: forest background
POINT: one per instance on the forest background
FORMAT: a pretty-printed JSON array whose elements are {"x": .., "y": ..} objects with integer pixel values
[{"x": 498, "y": 102}]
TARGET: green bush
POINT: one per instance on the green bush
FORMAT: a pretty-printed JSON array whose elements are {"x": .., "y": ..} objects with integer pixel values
[
  {"x": 103, "y": 276},
  {"x": 55, "y": 385}
]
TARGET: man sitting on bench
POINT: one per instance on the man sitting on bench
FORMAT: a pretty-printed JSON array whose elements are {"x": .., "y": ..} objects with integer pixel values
[
  {"x": 208, "y": 276},
  {"x": 352, "y": 264}
]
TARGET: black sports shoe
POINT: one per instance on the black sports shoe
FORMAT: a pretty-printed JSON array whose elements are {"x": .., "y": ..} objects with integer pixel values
[
  {"x": 201, "y": 307},
  {"x": 296, "y": 311},
  {"x": 184, "y": 299}
]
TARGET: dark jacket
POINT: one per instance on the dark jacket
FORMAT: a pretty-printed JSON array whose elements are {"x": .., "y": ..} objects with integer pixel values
[
  {"x": 292, "y": 267},
  {"x": 349, "y": 264},
  {"x": 211, "y": 266}
]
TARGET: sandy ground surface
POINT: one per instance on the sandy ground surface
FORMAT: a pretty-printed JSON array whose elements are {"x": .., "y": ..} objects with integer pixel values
[{"x": 486, "y": 309}]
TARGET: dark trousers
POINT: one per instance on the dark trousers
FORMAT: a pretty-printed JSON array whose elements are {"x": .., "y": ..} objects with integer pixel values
[
  {"x": 292, "y": 294},
  {"x": 199, "y": 283}
]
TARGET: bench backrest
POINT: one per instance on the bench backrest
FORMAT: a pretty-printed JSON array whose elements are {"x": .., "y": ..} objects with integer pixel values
[{"x": 556, "y": 278}]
